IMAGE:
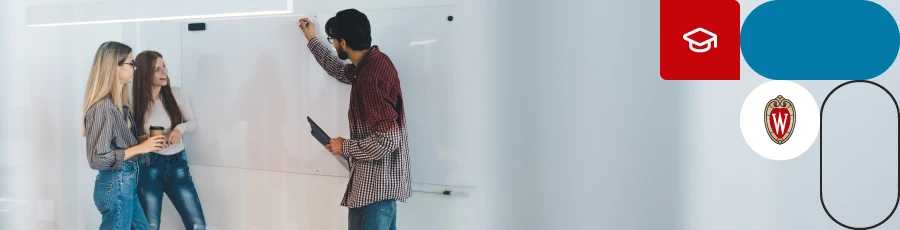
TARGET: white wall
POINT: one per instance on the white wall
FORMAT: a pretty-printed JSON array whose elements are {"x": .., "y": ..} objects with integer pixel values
[{"x": 600, "y": 131}]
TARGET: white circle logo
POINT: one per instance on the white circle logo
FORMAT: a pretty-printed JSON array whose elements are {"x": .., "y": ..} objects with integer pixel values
[{"x": 780, "y": 120}]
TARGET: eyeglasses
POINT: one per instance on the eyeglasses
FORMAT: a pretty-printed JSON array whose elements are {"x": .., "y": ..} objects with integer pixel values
[
  {"x": 122, "y": 62},
  {"x": 331, "y": 40}
]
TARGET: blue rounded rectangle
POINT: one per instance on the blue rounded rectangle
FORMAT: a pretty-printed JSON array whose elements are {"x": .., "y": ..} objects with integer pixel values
[{"x": 820, "y": 40}]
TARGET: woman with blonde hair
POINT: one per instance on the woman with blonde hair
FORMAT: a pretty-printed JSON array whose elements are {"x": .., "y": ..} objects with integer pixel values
[{"x": 110, "y": 135}]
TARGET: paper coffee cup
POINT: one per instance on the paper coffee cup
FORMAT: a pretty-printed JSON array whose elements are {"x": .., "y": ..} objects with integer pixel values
[{"x": 156, "y": 131}]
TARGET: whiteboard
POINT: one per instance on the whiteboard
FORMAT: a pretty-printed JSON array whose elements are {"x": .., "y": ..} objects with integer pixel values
[{"x": 252, "y": 82}]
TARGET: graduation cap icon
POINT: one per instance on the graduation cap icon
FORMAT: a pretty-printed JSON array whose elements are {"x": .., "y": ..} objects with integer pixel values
[{"x": 695, "y": 38}]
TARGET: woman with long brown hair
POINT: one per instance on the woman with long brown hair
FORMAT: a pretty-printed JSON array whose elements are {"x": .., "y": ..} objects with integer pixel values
[
  {"x": 112, "y": 147},
  {"x": 158, "y": 104}
]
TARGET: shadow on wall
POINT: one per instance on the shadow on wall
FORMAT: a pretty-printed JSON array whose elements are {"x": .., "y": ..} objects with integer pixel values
[
  {"x": 209, "y": 78},
  {"x": 594, "y": 135},
  {"x": 264, "y": 117}
]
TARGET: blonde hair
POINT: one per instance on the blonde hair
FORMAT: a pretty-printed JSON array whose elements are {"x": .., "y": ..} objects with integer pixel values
[{"x": 104, "y": 77}]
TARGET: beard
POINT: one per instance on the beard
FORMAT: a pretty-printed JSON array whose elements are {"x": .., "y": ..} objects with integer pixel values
[{"x": 342, "y": 55}]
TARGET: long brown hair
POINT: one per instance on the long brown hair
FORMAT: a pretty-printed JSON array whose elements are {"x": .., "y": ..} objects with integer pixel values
[{"x": 143, "y": 92}]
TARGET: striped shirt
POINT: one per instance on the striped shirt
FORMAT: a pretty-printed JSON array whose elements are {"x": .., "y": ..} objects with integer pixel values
[
  {"x": 108, "y": 134},
  {"x": 377, "y": 147}
]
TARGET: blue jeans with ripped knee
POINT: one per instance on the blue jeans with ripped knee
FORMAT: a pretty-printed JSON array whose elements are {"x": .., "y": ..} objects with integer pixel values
[{"x": 169, "y": 174}]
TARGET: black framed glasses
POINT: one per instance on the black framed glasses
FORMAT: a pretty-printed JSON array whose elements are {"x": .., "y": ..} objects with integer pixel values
[
  {"x": 122, "y": 62},
  {"x": 331, "y": 39}
]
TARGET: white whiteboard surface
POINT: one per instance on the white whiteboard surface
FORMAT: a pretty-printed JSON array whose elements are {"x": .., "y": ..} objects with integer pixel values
[{"x": 252, "y": 82}]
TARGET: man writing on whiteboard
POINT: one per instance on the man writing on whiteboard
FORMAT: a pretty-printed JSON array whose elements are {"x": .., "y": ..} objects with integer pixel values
[{"x": 377, "y": 147}]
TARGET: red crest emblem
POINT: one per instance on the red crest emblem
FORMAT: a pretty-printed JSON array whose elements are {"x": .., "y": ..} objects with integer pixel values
[{"x": 780, "y": 118}]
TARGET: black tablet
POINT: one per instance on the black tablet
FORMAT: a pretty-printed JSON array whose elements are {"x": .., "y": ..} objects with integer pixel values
[
  {"x": 323, "y": 138},
  {"x": 318, "y": 133}
]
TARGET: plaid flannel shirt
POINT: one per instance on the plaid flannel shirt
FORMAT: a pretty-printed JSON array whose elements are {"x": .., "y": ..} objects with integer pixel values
[{"x": 377, "y": 147}]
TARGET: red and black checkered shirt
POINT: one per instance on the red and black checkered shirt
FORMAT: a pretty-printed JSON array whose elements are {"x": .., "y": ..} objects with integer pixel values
[{"x": 377, "y": 147}]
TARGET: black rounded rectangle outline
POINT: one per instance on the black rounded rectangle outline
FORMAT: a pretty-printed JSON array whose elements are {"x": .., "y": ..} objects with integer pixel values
[{"x": 821, "y": 140}]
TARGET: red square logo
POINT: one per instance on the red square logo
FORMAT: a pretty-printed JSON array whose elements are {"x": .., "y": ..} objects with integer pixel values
[{"x": 700, "y": 40}]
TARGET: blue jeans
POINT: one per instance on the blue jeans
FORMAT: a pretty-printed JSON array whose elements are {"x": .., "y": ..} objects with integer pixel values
[
  {"x": 115, "y": 198},
  {"x": 381, "y": 215},
  {"x": 169, "y": 174}
]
